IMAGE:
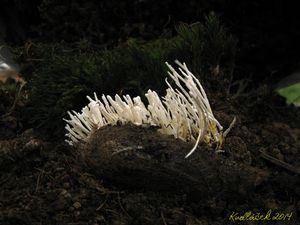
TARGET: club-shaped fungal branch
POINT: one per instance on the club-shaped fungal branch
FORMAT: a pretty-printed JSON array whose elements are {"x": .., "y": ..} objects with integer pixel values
[{"x": 184, "y": 112}]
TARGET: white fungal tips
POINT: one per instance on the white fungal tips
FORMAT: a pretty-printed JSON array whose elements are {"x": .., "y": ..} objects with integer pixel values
[{"x": 184, "y": 112}]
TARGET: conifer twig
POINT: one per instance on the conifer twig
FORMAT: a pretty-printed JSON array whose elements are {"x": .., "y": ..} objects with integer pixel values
[{"x": 279, "y": 163}]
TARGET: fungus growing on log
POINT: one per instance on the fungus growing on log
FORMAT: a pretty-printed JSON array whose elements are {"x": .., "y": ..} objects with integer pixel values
[{"x": 184, "y": 112}]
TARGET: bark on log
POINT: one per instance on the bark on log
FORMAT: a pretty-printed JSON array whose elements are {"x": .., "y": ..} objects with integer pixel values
[{"x": 140, "y": 158}]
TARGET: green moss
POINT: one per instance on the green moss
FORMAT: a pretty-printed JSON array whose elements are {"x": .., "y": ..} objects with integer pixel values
[
  {"x": 67, "y": 73},
  {"x": 209, "y": 50}
]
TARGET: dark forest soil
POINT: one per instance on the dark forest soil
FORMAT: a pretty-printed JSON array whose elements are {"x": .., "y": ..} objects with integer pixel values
[{"x": 44, "y": 182}]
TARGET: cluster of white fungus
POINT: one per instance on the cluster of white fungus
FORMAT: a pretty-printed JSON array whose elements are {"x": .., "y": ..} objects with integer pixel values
[{"x": 184, "y": 112}]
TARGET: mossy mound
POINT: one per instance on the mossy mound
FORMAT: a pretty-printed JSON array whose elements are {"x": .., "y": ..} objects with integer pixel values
[{"x": 66, "y": 73}]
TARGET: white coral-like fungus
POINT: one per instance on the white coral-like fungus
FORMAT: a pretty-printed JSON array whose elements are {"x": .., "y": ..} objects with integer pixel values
[{"x": 184, "y": 112}]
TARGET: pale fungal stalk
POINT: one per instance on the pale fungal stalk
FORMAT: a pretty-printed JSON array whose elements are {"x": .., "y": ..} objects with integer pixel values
[
  {"x": 184, "y": 112},
  {"x": 98, "y": 114}
]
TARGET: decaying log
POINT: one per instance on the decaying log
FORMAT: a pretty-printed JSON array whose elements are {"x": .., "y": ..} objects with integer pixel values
[{"x": 140, "y": 158}]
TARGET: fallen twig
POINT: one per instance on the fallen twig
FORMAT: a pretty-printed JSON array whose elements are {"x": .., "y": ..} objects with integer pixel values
[
  {"x": 280, "y": 163},
  {"x": 163, "y": 218}
]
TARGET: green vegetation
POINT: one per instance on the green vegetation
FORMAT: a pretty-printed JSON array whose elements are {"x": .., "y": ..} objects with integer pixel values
[
  {"x": 63, "y": 74},
  {"x": 291, "y": 93}
]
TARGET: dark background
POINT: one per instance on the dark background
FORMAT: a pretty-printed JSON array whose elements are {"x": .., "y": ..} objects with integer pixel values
[{"x": 268, "y": 31}]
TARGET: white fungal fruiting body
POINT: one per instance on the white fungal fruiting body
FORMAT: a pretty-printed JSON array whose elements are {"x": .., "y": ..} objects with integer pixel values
[
  {"x": 184, "y": 112},
  {"x": 98, "y": 114}
]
